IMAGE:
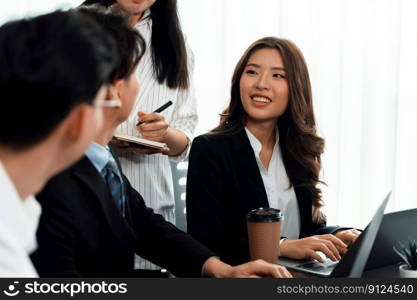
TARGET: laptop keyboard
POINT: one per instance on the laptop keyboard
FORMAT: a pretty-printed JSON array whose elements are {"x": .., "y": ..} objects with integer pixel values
[{"x": 318, "y": 266}]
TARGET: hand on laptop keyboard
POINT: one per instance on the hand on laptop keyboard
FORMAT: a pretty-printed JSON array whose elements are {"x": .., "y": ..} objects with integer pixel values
[
  {"x": 318, "y": 266},
  {"x": 331, "y": 246}
]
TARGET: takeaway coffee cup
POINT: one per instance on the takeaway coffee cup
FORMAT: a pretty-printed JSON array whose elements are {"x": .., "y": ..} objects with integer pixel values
[{"x": 264, "y": 232}]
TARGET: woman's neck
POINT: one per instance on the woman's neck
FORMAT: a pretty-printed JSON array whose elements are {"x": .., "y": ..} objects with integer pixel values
[
  {"x": 135, "y": 18},
  {"x": 265, "y": 132}
]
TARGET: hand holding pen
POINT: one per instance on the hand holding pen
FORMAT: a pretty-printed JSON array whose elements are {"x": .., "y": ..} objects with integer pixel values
[
  {"x": 153, "y": 126},
  {"x": 158, "y": 110}
]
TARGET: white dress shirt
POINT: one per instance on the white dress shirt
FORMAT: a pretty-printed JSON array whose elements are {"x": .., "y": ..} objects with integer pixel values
[
  {"x": 151, "y": 175},
  {"x": 18, "y": 223},
  {"x": 276, "y": 185}
]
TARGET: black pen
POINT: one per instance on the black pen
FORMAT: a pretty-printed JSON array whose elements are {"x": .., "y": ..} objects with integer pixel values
[{"x": 159, "y": 110}]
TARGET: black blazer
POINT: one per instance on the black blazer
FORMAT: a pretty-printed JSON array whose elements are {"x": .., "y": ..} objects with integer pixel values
[
  {"x": 82, "y": 233},
  {"x": 223, "y": 184}
]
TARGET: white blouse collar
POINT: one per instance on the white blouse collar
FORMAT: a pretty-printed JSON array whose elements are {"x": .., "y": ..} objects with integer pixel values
[{"x": 256, "y": 144}]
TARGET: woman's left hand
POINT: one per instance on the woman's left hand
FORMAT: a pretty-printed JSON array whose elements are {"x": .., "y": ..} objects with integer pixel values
[
  {"x": 348, "y": 236},
  {"x": 154, "y": 126},
  {"x": 136, "y": 148}
]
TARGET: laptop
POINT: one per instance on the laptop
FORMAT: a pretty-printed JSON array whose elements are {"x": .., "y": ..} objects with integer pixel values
[
  {"x": 353, "y": 262},
  {"x": 396, "y": 227}
]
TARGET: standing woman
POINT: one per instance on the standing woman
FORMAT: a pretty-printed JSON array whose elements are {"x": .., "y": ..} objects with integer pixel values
[
  {"x": 264, "y": 153},
  {"x": 165, "y": 75}
]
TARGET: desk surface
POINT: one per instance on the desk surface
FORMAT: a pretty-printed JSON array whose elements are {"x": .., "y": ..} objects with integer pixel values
[
  {"x": 391, "y": 271},
  {"x": 384, "y": 272}
]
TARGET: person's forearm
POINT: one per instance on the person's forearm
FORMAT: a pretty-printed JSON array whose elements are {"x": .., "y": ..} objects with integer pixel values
[
  {"x": 176, "y": 140},
  {"x": 285, "y": 247},
  {"x": 214, "y": 267}
]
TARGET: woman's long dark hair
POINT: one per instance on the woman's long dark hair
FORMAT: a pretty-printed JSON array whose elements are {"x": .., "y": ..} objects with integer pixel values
[
  {"x": 129, "y": 42},
  {"x": 300, "y": 145},
  {"x": 169, "y": 53}
]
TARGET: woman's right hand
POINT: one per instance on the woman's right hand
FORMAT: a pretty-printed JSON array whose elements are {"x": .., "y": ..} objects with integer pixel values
[{"x": 305, "y": 248}]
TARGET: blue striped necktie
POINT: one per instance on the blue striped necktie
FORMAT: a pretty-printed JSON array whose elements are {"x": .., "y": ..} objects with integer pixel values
[{"x": 114, "y": 182}]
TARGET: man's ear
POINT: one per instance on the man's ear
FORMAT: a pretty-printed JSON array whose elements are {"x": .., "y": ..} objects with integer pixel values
[
  {"x": 118, "y": 86},
  {"x": 77, "y": 122},
  {"x": 115, "y": 90},
  {"x": 73, "y": 135}
]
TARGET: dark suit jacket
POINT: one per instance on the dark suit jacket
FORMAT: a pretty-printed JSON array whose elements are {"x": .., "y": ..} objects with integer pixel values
[
  {"x": 223, "y": 184},
  {"x": 82, "y": 233}
]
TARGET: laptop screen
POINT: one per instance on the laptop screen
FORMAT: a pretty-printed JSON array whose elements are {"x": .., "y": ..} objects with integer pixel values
[{"x": 355, "y": 259}]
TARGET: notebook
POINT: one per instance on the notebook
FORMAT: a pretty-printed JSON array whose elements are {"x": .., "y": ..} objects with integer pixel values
[{"x": 134, "y": 140}]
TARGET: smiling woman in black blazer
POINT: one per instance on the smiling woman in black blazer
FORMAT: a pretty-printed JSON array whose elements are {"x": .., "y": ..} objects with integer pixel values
[{"x": 264, "y": 153}]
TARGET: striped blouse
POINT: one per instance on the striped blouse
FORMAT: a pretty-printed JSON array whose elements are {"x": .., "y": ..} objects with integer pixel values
[{"x": 151, "y": 175}]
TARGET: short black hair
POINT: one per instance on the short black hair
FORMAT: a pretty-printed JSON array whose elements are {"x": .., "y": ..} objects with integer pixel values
[
  {"x": 48, "y": 65},
  {"x": 129, "y": 43}
]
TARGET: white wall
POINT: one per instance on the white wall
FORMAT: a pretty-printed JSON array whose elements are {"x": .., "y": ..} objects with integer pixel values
[
  {"x": 362, "y": 56},
  {"x": 10, "y": 9}
]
